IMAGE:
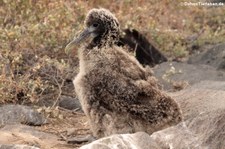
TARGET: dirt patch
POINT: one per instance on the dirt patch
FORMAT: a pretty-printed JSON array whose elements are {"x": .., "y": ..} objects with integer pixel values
[{"x": 68, "y": 125}]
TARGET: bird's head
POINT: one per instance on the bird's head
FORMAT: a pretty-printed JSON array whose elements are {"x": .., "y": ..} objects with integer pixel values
[{"x": 101, "y": 26}]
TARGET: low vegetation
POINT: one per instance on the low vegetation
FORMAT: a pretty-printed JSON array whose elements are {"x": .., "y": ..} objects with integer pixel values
[{"x": 33, "y": 34}]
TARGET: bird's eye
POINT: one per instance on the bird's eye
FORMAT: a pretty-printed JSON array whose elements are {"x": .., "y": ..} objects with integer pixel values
[{"x": 95, "y": 25}]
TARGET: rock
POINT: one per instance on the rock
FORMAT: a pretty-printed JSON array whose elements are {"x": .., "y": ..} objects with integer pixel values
[
  {"x": 214, "y": 56},
  {"x": 200, "y": 98},
  {"x": 16, "y": 146},
  {"x": 80, "y": 139},
  {"x": 170, "y": 73},
  {"x": 139, "y": 140},
  {"x": 69, "y": 103},
  {"x": 212, "y": 85},
  {"x": 22, "y": 134},
  {"x": 203, "y": 107},
  {"x": 205, "y": 131},
  {"x": 10, "y": 114}
]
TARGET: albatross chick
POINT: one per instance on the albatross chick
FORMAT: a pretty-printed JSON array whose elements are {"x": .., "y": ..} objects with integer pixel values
[{"x": 116, "y": 93}]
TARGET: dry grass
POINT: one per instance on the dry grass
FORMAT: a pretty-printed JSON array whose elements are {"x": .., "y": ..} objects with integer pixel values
[{"x": 33, "y": 35}]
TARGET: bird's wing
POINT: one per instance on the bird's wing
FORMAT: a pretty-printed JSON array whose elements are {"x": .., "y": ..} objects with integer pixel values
[{"x": 138, "y": 98}]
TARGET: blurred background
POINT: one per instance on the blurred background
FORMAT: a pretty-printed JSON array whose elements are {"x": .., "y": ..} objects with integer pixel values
[{"x": 33, "y": 34}]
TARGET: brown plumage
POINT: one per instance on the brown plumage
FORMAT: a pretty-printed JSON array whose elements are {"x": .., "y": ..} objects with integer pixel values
[{"x": 116, "y": 93}]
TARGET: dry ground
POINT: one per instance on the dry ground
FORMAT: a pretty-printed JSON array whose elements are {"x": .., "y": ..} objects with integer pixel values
[{"x": 68, "y": 125}]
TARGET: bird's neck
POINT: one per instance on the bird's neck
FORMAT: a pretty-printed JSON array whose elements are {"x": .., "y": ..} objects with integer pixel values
[{"x": 102, "y": 41}]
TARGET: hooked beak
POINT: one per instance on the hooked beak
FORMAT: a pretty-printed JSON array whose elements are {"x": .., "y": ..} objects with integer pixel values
[{"x": 76, "y": 41}]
